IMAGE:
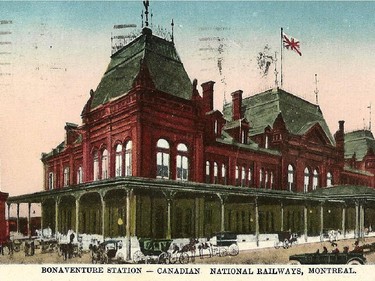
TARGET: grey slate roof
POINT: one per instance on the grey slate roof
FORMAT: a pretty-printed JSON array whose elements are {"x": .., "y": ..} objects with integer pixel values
[
  {"x": 262, "y": 109},
  {"x": 161, "y": 58},
  {"x": 358, "y": 142}
]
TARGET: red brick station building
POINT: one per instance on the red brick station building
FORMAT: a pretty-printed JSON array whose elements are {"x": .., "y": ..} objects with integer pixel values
[{"x": 153, "y": 151}]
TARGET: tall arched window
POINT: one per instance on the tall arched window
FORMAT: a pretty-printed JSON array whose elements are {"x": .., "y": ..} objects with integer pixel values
[
  {"x": 162, "y": 159},
  {"x": 243, "y": 176},
  {"x": 249, "y": 177},
  {"x": 105, "y": 164},
  {"x": 118, "y": 161},
  {"x": 66, "y": 176},
  {"x": 266, "y": 179},
  {"x": 50, "y": 181},
  {"x": 329, "y": 179},
  {"x": 271, "y": 180},
  {"x": 223, "y": 174},
  {"x": 96, "y": 166},
  {"x": 306, "y": 181},
  {"x": 315, "y": 179},
  {"x": 128, "y": 159},
  {"x": 207, "y": 171},
  {"x": 216, "y": 172},
  {"x": 261, "y": 178},
  {"x": 237, "y": 176},
  {"x": 182, "y": 162},
  {"x": 290, "y": 177},
  {"x": 79, "y": 175}
]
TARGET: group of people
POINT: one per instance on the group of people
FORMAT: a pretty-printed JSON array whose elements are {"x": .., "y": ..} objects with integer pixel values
[{"x": 356, "y": 249}]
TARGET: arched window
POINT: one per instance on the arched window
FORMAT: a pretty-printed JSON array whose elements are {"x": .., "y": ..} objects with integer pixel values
[
  {"x": 306, "y": 181},
  {"x": 66, "y": 176},
  {"x": 329, "y": 179},
  {"x": 96, "y": 166},
  {"x": 50, "y": 181},
  {"x": 79, "y": 175},
  {"x": 207, "y": 171},
  {"x": 261, "y": 178},
  {"x": 216, "y": 129},
  {"x": 105, "y": 164},
  {"x": 243, "y": 177},
  {"x": 266, "y": 179},
  {"x": 118, "y": 161},
  {"x": 182, "y": 162},
  {"x": 290, "y": 178},
  {"x": 237, "y": 176},
  {"x": 162, "y": 159},
  {"x": 216, "y": 172},
  {"x": 266, "y": 142},
  {"x": 315, "y": 179},
  {"x": 271, "y": 180},
  {"x": 223, "y": 174},
  {"x": 128, "y": 159},
  {"x": 249, "y": 177}
]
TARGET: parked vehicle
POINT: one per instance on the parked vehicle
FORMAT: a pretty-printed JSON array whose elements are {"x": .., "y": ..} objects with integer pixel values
[
  {"x": 224, "y": 243},
  {"x": 110, "y": 251},
  {"x": 328, "y": 258},
  {"x": 286, "y": 239},
  {"x": 153, "y": 251}
]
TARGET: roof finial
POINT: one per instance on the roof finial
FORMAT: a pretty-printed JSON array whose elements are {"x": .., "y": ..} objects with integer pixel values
[
  {"x": 172, "y": 37},
  {"x": 142, "y": 18},
  {"x": 316, "y": 91},
  {"x": 146, "y": 4},
  {"x": 275, "y": 72}
]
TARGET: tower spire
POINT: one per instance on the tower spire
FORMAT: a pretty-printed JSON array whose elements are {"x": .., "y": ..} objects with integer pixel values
[
  {"x": 369, "y": 123},
  {"x": 316, "y": 91},
  {"x": 146, "y": 3}
]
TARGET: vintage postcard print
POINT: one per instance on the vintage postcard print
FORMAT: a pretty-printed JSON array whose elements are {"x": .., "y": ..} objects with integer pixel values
[{"x": 187, "y": 139}]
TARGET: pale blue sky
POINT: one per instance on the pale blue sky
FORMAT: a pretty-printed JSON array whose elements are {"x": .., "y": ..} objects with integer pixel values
[{"x": 60, "y": 50}]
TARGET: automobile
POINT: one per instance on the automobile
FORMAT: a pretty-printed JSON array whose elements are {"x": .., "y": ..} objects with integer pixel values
[
  {"x": 109, "y": 251},
  {"x": 328, "y": 258}
]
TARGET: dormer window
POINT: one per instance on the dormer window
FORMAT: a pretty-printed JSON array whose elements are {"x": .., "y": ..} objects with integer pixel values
[
  {"x": 243, "y": 137},
  {"x": 50, "y": 181},
  {"x": 266, "y": 142},
  {"x": 216, "y": 129}
]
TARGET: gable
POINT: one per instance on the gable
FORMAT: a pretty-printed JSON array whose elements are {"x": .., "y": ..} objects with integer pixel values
[{"x": 316, "y": 135}]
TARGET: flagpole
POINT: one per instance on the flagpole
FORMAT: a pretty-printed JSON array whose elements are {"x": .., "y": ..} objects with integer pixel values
[{"x": 281, "y": 60}]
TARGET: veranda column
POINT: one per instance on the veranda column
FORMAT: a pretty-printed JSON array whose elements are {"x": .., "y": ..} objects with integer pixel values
[
  {"x": 29, "y": 219},
  {"x": 222, "y": 203},
  {"x": 361, "y": 220},
  {"x": 129, "y": 193},
  {"x": 169, "y": 196},
  {"x": 343, "y": 220},
  {"x": 356, "y": 232},
  {"x": 57, "y": 215},
  {"x": 77, "y": 215},
  {"x": 41, "y": 216},
  {"x": 256, "y": 221},
  {"x": 103, "y": 214},
  {"x": 305, "y": 221},
  {"x": 282, "y": 216},
  {"x": 18, "y": 217},
  {"x": 321, "y": 221}
]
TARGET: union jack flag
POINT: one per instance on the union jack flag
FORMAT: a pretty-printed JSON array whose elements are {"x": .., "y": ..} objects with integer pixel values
[{"x": 291, "y": 43}]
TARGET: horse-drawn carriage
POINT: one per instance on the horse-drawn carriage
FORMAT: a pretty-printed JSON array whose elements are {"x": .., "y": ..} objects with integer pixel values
[
  {"x": 223, "y": 243},
  {"x": 286, "y": 239},
  {"x": 153, "y": 251},
  {"x": 109, "y": 251}
]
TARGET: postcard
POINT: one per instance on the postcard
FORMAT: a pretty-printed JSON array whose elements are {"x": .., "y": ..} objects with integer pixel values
[{"x": 187, "y": 139}]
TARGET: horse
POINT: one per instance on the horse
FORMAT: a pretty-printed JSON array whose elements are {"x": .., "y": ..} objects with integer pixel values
[
  {"x": 333, "y": 235},
  {"x": 191, "y": 247},
  {"x": 204, "y": 246}
]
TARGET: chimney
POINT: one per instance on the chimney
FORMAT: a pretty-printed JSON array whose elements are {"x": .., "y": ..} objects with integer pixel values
[
  {"x": 208, "y": 96},
  {"x": 340, "y": 140},
  {"x": 341, "y": 125},
  {"x": 236, "y": 105}
]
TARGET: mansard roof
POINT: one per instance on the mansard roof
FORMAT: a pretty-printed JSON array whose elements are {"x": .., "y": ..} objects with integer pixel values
[
  {"x": 359, "y": 142},
  {"x": 299, "y": 115},
  {"x": 160, "y": 58}
]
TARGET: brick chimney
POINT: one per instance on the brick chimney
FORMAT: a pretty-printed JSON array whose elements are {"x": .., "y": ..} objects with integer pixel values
[
  {"x": 208, "y": 96},
  {"x": 339, "y": 138},
  {"x": 236, "y": 105}
]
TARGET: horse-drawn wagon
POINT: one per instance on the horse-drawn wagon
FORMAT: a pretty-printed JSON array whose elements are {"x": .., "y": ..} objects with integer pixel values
[
  {"x": 224, "y": 243},
  {"x": 153, "y": 251}
]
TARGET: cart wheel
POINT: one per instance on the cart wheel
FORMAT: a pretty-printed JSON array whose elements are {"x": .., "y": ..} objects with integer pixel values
[
  {"x": 286, "y": 244},
  {"x": 138, "y": 256},
  {"x": 294, "y": 262},
  {"x": 173, "y": 258},
  {"x": 164, "y": 258},
  {"x": 233, "y": 250},
  {"x": 223, "y": 252},
  {"x": 184, "y": 258}
]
